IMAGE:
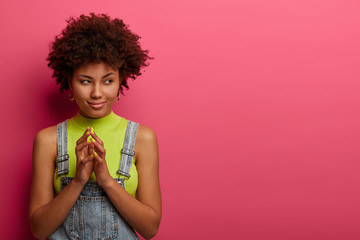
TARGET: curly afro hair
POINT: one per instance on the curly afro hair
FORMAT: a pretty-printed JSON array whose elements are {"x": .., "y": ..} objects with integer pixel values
[{"x": 96, "y": 38}]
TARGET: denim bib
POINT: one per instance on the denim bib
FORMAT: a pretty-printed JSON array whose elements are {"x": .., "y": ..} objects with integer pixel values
[{"x": 93, "y": 215}]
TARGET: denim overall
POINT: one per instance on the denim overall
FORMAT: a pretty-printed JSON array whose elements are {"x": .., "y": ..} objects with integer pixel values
[{"x": 93, "y": 215}]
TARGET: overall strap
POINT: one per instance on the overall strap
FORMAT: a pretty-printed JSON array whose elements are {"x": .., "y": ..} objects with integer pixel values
[
  {"x": 127, "y": 152},
  {"x": 62, "y": 149}
]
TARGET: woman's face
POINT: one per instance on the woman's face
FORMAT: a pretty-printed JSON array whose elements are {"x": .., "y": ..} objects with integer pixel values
[{"x": 95, "y": 87}]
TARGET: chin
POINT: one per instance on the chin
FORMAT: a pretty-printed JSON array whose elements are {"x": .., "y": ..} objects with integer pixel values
[
  {"x": 94, "y": 114},
  {"x": 99, "y": 115}
]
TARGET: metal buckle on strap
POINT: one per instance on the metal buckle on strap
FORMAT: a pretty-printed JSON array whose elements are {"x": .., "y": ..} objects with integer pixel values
[
  {"x": 120, "y": 180},
  {"x": 127, "y": 175},
  {"x": 127, "y": 152},
  {"x": 61, "y": 172},
  {"x": 63, "y": 158}
]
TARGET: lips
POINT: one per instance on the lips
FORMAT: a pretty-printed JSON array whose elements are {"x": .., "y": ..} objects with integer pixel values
[{"x": 97, "y": 105}]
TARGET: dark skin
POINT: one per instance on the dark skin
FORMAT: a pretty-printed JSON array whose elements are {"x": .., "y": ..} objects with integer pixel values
[{"x": 48, "y": 211}]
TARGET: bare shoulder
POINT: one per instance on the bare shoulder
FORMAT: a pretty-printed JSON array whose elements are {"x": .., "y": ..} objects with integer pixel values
[
  {"x": 46, "y": 139},
  {"x": 145, "y": 134},
  {"x": 146, "y": 143},
  {"x": 46, "y": 133}
]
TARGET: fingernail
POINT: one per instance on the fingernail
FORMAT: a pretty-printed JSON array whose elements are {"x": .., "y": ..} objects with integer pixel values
[
  {"x": 87, "y": 133},
  {"x": 92, "y": 130},
  {"x": 93, "y": 140},
  {"x": 92, "y": 155},
  {"x": 95, "y": 153}
]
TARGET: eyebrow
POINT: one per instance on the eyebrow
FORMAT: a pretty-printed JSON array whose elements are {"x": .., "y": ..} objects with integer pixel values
[{"x": 86, "y": 76}]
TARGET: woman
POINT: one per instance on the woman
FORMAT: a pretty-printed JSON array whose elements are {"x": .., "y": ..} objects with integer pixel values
[{"x": 95, "y": 176}]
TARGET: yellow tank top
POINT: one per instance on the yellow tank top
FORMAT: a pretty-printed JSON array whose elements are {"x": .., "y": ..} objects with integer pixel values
[{"x": 111, "y": 130}]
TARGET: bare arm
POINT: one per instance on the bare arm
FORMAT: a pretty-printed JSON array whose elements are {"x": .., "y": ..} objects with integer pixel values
[
  {"x": 144, "y": 212},
  {"x": 46, "y": 213}
]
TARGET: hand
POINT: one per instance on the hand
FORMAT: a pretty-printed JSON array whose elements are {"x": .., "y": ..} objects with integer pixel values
[
  {"x": 100, "y": 167},
  {"x": 84, "y": 160}
]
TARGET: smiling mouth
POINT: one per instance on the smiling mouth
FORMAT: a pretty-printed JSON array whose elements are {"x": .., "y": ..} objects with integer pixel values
[{"x": 97, "y": 105}]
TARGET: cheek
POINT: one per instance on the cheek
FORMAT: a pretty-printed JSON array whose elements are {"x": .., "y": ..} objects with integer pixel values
[
  {"x": 112, "y": 93},
  {"x": 79, "y": 94}
]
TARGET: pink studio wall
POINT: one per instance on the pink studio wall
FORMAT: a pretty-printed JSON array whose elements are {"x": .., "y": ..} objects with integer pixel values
[{"x": 255, "y": 103}]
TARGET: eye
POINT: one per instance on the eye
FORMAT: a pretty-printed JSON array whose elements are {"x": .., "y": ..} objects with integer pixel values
[
  {"x": 85, "y": 82},
  {"x": 109, "y": 81}
]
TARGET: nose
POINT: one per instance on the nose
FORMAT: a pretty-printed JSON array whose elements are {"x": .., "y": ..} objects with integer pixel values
[{"x": 96, "y": 91}]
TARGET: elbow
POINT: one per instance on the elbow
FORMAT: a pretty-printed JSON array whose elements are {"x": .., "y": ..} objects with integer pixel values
[
  {"x": 36, "y": 231},
  {"x": 151, "y": 233},
  {"x": 37, "y": 234}
]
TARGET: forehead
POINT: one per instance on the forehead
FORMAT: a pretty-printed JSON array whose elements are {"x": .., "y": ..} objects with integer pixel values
[{"x": 94, "y": 69}]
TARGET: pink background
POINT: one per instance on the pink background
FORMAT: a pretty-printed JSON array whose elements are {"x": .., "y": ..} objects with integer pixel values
[{"x": 255, "y": 103}]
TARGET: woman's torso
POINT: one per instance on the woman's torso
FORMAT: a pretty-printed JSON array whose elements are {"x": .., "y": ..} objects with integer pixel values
[{"x": 111, "y": 130}]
